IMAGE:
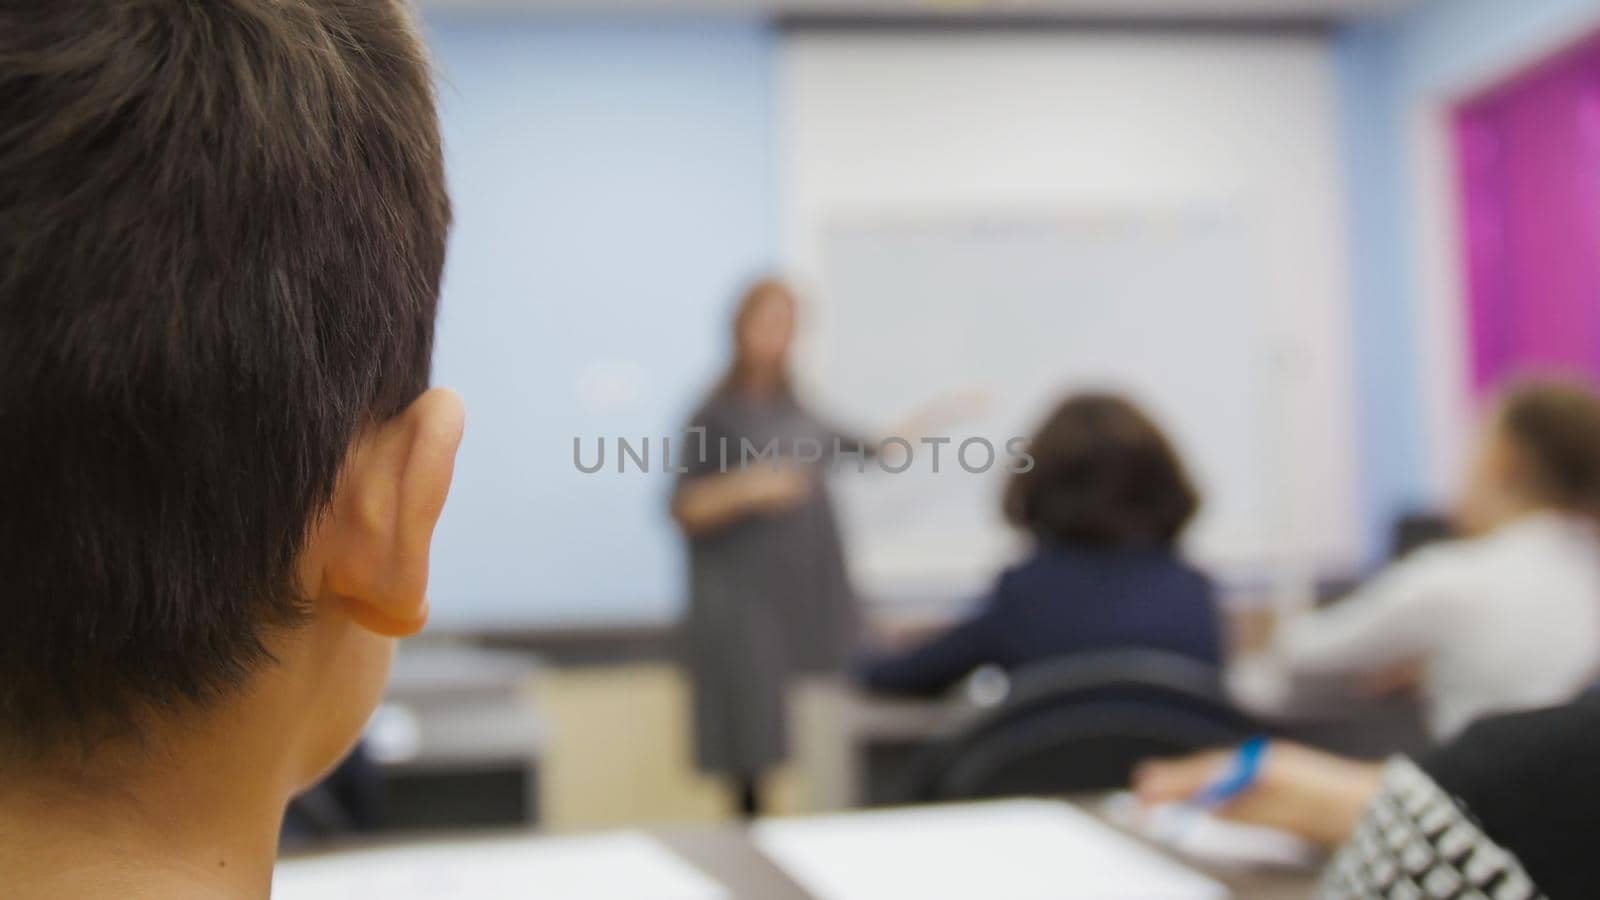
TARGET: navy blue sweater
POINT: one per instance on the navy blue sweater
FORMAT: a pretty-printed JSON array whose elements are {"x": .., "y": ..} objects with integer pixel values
[{"x": 1065, "y": 600}]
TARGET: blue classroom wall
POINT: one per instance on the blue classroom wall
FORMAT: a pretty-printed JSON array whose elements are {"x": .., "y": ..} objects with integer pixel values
[
  {"x": 1386, "y": 66},
  {"x": 613, "y": 185},
  {"x": 1383, "y": 310}
]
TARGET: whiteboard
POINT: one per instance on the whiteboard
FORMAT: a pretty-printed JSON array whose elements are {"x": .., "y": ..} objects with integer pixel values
[
  {"x": 1163, "y": 305},
  {"x": 1212, "y": 160}
]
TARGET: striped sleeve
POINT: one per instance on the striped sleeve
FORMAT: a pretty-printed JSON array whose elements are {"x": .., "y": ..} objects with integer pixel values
[{"x": 1414, "y": 842}]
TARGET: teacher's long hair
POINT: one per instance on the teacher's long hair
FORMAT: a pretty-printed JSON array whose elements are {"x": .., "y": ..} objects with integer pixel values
[{"x": 764, "y": 290}]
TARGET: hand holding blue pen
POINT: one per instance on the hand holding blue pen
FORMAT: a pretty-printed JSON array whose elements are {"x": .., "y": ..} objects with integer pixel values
[
  {"x": 1278, "y": 784},
  {"x": 1236, "y": 779}
]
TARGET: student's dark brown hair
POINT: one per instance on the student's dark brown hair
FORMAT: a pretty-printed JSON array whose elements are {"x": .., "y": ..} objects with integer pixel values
[
  {"x": 1555, "y": 424},
  {"x": 222, "y": 226},
  {"x": 1103, "y": 475}
]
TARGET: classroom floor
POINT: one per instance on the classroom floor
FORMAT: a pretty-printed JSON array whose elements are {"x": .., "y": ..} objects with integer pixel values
[{"x": 620, "y": 752}]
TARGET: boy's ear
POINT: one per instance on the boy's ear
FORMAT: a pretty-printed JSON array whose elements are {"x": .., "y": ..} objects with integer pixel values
[{"x": 374, "y": 542}]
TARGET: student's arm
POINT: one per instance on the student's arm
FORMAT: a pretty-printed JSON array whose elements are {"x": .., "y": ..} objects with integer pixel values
[
  {"x": 1306, "y": 792},
  {"x": 1517, "y": 795},
  {"x": 1395, "y": 619},
  {"x": 933, "y": 667}
]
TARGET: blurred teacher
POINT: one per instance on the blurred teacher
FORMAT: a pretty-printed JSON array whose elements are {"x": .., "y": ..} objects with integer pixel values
[{"x": 769, "y": 598}]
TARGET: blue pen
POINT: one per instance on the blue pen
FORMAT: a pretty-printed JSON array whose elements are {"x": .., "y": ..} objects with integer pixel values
[
  {"x": 1177, "y": 820},
  {"x": 1236, "y": 779}
]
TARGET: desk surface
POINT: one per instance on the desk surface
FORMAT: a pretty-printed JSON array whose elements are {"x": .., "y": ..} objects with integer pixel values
[{"x": 727, "y": 854}]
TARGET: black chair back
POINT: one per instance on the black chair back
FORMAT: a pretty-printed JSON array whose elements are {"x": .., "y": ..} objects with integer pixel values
[{"x": 1080, "y": 724}]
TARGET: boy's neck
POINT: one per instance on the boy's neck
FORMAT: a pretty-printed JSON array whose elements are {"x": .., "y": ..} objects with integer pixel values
[{"x": 202, "y": 823}]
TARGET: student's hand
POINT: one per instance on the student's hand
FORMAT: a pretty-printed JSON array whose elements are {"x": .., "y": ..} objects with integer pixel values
[
  {"x": 1400, "y": 678},
  {"x": 769, "y": 491},
  {"x": 1315, "y": 795},
  {"x": 894, "y": 636}
]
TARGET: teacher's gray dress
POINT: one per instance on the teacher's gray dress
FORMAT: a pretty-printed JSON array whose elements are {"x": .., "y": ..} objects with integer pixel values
[{"x": 769, "y": 597}]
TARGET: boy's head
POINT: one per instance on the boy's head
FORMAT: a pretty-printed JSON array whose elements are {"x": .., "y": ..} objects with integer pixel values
[
  {"x": 1103, "y": 474},
  {"x": 222, "y": 226}
]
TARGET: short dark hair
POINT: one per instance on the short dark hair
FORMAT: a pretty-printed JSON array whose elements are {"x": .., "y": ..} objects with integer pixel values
[
  {"x": 1103, "y": 474},
  {"x": 222, "y": 227},
  {"x": 1555, "y": 423}
]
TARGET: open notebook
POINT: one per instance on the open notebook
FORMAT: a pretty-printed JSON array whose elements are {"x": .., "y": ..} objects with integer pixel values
[{"x": 1004, "y": 850}]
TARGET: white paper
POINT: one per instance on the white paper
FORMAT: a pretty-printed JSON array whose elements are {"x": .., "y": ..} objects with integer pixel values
[
  {"x": 621, "y": 866},
  {"x": 1006, "y": 850}
]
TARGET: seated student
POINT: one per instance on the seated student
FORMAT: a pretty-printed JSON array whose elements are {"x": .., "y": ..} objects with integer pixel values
[
  {"x": 1105, "y": 503},
  {"x": 222, "y": 227},
  {"x": 1510, "y": 808},
  {"x": 1507, "y": 619}
]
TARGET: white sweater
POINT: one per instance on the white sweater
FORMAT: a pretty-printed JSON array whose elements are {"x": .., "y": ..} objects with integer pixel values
[{"x": 1503, "y": 622}]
